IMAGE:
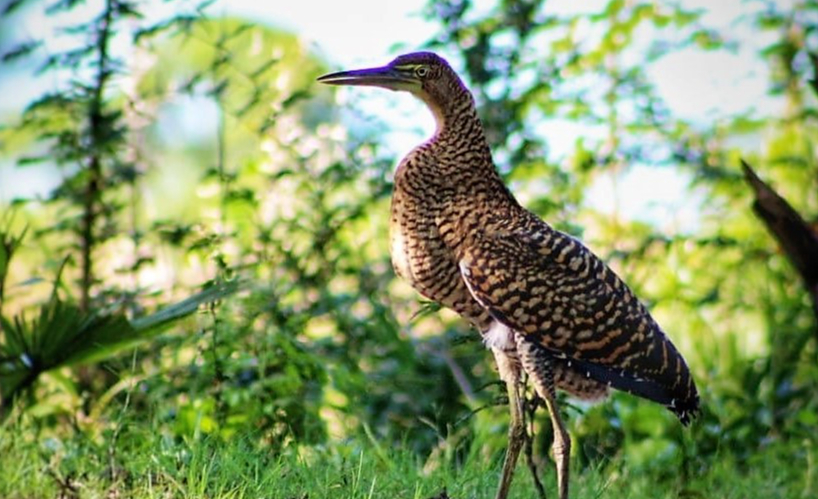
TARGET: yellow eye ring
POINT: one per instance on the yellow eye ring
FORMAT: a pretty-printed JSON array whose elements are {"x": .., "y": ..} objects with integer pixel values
[{"x": 422, "y": 71}]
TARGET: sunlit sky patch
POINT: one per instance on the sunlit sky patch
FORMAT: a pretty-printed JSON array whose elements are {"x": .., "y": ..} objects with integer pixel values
[{"x": 696, "y": 85}]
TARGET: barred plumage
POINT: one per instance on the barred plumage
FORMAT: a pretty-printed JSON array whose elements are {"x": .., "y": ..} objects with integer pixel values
[{"x": 543, "y": 302}]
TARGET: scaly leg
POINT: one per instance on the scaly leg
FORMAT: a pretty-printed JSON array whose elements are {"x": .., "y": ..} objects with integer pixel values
[
  {"x": 538, "y": 366},
  {"x": 530, "y": 407},
  {"x": 562, "y": 441},
  {"x": 510, "y": 374}
]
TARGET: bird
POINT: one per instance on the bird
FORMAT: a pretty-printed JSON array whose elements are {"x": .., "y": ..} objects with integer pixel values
[{"x": 544, "y": 304}]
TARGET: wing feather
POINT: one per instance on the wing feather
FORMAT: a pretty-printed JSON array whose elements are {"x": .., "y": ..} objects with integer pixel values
[{"x": 550, "y": 288}]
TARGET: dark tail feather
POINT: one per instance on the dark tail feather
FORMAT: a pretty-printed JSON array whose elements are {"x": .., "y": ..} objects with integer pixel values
[{"x": 682, "y": 401}]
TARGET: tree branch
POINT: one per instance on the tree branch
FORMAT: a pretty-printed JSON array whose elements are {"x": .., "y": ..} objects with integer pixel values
[{"x": 798, "y": 240}]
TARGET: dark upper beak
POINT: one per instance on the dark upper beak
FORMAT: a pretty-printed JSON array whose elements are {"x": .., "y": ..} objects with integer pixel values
[{"x": 386, "y": 77}]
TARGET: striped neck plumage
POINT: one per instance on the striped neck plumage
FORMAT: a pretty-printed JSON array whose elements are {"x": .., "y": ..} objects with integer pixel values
[{"x": 456, "y": 119}]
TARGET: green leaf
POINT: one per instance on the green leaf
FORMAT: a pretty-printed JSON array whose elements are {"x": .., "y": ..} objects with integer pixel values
[
  {"x": 12, "y": 6},
  {"x": 20, "y": 51},
  {"x": 63, "y": 335},
  {"x": 157, "y": 322}
]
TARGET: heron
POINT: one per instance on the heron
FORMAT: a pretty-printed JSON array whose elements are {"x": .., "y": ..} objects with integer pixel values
[{"x": 545, "y": 305}]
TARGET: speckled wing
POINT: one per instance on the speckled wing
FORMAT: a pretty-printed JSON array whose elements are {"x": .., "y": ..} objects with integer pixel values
[{"x": 550, "y": 288}]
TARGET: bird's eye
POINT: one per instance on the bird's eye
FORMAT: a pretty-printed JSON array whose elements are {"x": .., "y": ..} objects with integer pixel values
[{"x": 421, "y": 71}]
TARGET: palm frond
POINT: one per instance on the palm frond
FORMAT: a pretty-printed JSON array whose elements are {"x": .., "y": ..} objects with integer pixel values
[{"x": 62, "y": 335}]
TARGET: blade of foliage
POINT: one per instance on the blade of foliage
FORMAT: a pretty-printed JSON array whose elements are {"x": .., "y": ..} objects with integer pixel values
[
  {"x": 19, "y": 51},
  {"x": 9, "y": 243},
  {"x": 159, "y": 321},
  {"x": 62, "y": 335}
]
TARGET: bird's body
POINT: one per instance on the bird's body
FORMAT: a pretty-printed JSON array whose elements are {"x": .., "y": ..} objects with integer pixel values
[
  {"x": 436, "y": 211},
  {"x": 543, "y": 302}
]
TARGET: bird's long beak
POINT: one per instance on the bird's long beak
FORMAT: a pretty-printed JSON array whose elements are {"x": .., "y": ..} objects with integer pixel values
[{"x": 385, "y": 77}]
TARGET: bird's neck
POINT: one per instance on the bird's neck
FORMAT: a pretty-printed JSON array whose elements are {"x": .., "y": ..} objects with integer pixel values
[{"x": 459, "y": 129}]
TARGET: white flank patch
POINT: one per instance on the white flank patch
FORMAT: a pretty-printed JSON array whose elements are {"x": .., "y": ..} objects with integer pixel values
[{"x": 499, "y": 336}]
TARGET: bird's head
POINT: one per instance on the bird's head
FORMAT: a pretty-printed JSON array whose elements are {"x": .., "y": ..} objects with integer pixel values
[{"x": 423, "y": 74}]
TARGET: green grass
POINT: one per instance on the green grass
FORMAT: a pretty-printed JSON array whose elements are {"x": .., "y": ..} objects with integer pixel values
[{"x": 146, "y": 464}]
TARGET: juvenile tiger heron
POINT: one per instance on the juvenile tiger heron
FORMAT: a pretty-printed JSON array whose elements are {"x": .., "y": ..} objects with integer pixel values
[{"x": 543, "y": 302}]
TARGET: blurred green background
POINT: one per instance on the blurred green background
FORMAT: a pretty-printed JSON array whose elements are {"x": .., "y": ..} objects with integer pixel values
[{"x": 152, "y": 150}]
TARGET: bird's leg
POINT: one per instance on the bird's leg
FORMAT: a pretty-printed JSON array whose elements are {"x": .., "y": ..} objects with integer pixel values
[
  {"x": 530, "y": 408},
  {"x": 510, "y": 374},
  {"x": 562, "y": 441},
  {"x": 540, "y": 369}
]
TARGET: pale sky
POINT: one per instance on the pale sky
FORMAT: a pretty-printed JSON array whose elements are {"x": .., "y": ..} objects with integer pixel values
[
  {"x": 696, "y": 85},
  {"x": 356, "y": 33}
]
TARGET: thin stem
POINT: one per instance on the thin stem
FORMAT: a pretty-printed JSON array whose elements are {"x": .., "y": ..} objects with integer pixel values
[{"x": 94, "y": 186}]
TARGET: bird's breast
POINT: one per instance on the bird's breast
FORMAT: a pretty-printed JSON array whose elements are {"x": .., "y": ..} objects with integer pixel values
[
  {"x": 420, "y": 254},
  {"x": 398, "y": 248},
  {"x": 414, "y": 246}
]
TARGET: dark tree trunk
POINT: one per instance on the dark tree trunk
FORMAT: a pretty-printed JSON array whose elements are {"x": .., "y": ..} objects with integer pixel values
[{"x": 798, "y": 240}]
